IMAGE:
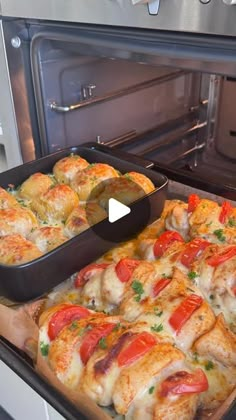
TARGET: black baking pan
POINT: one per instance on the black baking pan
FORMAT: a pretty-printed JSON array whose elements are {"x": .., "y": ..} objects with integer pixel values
[
  {"x": 22, "y": 366},
  {"x": 31, "y": 280}
]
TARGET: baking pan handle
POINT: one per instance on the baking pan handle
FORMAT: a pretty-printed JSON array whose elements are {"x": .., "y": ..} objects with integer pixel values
[{"x": 145, "y": 163}]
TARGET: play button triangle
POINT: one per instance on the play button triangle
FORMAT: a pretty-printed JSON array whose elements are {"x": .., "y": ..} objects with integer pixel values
[{"x": 116, "y": 210}]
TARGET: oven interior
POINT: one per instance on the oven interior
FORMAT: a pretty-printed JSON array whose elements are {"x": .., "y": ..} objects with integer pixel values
[
  {"x": 85, "y": 86},
  {"x": 181, "y": 118}
]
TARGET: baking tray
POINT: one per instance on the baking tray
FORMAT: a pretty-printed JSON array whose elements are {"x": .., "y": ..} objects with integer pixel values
[
  {"x": 22, "y": 366},
  {"x": 33, "y": 279}
]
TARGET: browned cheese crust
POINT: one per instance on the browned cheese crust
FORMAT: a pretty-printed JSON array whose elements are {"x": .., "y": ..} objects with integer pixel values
[
  {"x": 15, "y": 250},
  {"x": 66, "y": 169}
]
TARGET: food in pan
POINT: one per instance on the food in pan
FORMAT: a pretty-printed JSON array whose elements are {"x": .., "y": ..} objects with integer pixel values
[
  {"x": 144, "y": 182},
  {"x": 36, "y": 185},
  {"x": 210, "y": 266},
  {"x": 204, "y": 218},
  {"x": 81, "y": 218},
  {"x": 7, "y": 200},
  {"x": 127, "y": 364},
  {"x": 125, "y": 189},
  {"x": 17, "y": 220},
  {"x": 137, "y": 366},
  {"x": 47, "y": 238},
  {"x": 15, "y": 249},
  {"x": 56, "y": 204},
  {"x": 85, "y": 181},
  {"x": 49, "y": 209},
  {"x": 66, "y": 169},
  {"x": 171, "y": 352}
]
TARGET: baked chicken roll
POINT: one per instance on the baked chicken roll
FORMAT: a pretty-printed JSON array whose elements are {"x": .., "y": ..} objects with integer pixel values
[
  {"x": 81, "y": 218},
  {"x": 142, "y": 180},
  {"x": 36, "y": 185},
  {"x": 7, "y": 200},
  {"x": 46, "y": 238},
  {"x": 124, "y": 189},
  {"x": 56, "y": 204},
  {"x": 85, "y": 181},
  {"x": 66, "y": 169},
  {"x": 15, "y": 250},
  {"x": 17, "y": 220}
]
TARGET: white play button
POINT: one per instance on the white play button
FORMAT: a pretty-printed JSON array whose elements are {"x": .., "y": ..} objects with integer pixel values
[{"x": 116, "y": 210}]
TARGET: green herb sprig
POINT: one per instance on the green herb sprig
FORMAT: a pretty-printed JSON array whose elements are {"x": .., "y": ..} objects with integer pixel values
[
  {"x": 219, "y": 233},
  {"x": 44, "y": 348},
  {"x": 157, "y": 328},
  {"x": 138, "y": 289}
]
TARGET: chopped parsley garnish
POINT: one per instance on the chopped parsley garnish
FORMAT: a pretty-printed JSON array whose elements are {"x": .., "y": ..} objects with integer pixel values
[
  {"x": 209, "y": 224},
  {"x": 231, "y": 222},
  {"x": 157, "y": 328},
  {"x": 116, "y": 328},
  {"x": 195, "y": 356},
  {"x": 192, "y": 275},
  {"x": 128, "y": 177},
  {"x": 44, "y": 348},
  {"x": 157, "y": 312},
  {"x": 212, "y": 297},
  {"x": 81, "y": 332},
  {"x": 102, "y": 343},
  {"x": 150, "y": 391},
  {"x": 219, "y": 233},
  {"x": 209, "y": 365},
  {"x": 138, "y": 289},
  {"x": 21, "y": 202},
  {"x": 73, "y": 326}
]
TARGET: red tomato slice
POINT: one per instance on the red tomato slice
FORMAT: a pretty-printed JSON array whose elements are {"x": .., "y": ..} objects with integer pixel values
[
  {"x": 234, "y": 290},
  {"x": 164, "y": 241},
  {"x": 193, "y": 201},
  {"x": 160, "y": 285},
  {"x": 64, "y": 317},
  {"x": 125, "y": 268},
  {"x": 84, "y": 275},
  {"x": 222, "y": 256},
  {"x": 185, "y": 383},
  {"x": 181, "y": 314},
  {"x": 192, "y": 250},
  {"x": 226, "y": 210},
  {"x": 139, "y": 346},
  {"x": 91, "y": 339}
]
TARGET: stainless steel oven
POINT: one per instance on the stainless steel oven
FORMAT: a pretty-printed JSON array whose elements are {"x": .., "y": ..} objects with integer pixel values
[{"x": 155, "y": 78}]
